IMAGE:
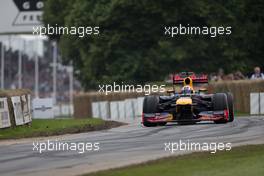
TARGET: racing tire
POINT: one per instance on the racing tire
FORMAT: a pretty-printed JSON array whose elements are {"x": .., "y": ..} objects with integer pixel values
[
  {"x": 150, "y": 105},
  {"x": 230, "y": 106},
  {"x": 162, "y": 123},
  {"x": 219, "y": 104}
]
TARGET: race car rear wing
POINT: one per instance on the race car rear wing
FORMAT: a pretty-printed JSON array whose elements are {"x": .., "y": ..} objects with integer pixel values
[{"x": 196, "y": 78}]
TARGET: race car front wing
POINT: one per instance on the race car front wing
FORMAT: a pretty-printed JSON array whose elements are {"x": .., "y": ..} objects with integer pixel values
[{"x": 202, "y": 116}]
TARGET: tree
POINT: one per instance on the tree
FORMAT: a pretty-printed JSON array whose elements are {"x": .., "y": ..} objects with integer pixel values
[{"x": 132, "y": 47}]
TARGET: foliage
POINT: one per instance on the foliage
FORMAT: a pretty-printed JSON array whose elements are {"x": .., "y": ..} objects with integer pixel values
[
  {"x": 245, "y": 160},
  {"x": 132, "y": 46},
  {"x": 51, "y": 127}
]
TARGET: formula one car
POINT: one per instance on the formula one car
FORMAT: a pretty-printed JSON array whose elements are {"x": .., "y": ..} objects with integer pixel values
[{"x": 187, "y": 106}]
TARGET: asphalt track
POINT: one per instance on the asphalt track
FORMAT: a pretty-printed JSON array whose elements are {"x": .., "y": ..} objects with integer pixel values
[{"x": 121, "y": 146}]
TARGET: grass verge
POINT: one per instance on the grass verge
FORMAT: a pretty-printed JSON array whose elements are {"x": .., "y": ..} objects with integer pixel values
[
  {"x": 246, "y": 160},
  {"x": 241, "y": 114},
  {"x": 51, "y": 127}
]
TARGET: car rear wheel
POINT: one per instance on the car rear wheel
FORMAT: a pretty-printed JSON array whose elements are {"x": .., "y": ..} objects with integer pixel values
[
  {"x": 220, "y": 104},
  {"x": 230, "y": 106}
]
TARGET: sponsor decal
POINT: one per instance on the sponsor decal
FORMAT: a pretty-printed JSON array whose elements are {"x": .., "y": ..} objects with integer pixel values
[{"x": 30, "y": 12}]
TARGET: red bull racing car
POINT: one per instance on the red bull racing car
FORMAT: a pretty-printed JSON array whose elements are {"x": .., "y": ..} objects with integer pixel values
[{"x": 187, "y": 106}]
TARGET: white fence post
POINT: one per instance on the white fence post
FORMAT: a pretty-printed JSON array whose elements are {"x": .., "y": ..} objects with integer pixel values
[
  {"x": 96, "y": 110},
  {"x": 18, "y": 113},
  {"x": 4, "y": 114},
  {"x": 125, "y": 110},
  {"x": 261, "y": 103},
  {"x": 254, "y": 103},
  {"x": 114, "y": 110},
  {"x": 121, "y": 110}
]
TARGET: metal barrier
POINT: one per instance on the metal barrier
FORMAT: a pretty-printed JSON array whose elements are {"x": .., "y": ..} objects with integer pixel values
[
  {"x": 126, "y": 110},
  {"x": 44, "y": 108},
  {"x": 256, "y": 103}
]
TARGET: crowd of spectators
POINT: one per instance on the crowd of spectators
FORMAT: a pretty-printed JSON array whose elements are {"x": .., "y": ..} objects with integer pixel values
[
  {"x": 238, "y": 75},
  {"x": 257, "y": 74}
]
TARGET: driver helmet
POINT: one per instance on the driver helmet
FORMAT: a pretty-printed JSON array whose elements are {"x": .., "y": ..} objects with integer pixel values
[{"x": 187, "y": 90}]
